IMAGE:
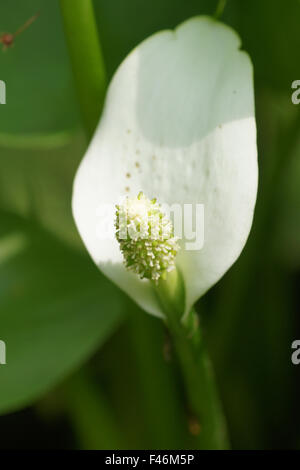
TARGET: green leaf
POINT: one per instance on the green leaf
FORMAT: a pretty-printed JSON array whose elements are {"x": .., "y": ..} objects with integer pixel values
[
  {"x": 270, "y": 32},
  {"x": 55, "y": 310},
  {"x": 36, "y": 181},
  {"x": 39, "y": 84},
  {"x": 287, "y": 240}
]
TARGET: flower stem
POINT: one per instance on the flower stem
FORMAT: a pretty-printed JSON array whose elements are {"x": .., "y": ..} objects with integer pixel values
[
  {"x": 92, "y": 418},
  {"x": 86, "y": 58},
  {"x": 199, "y": 381},
  {"x": 195, "y": 366},
  {"x": 220, "y": 8},
  {"x": 163, "y": 414},
  {"x": 93, "y": 421}
]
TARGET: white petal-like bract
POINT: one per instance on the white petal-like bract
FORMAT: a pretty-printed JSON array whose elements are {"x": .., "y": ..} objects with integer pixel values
[{"x": 178, "y": 125}]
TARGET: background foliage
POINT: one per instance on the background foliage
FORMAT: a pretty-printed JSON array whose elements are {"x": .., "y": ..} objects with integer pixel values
[{"x": 57, "y": 311}]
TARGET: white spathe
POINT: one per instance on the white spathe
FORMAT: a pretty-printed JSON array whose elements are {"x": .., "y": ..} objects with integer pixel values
[{"x": 178, "y": 124}]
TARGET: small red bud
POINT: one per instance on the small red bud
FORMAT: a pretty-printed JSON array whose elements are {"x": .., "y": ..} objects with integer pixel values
[{"x": 7, "y": 39}]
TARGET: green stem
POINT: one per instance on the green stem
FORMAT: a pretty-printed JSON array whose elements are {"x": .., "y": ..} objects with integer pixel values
[
  {"x": 86, "y": 58},
  {"x": 200, "y": 383},
  {"x": 196, "y": 368},
  {"x": 220, "y": 8},
  {"x": 161, "y": 400},
  {"x": 91, "y": 417}
]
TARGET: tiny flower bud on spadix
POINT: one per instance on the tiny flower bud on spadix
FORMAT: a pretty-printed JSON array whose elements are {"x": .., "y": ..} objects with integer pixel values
[{"x": 146, "y": 237}]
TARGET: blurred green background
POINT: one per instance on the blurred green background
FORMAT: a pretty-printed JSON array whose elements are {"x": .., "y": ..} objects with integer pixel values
[{"x": 86, "y": 368}]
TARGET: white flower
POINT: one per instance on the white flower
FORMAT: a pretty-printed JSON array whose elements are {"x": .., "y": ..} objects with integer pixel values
[{"x": 178, "y": 125}]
